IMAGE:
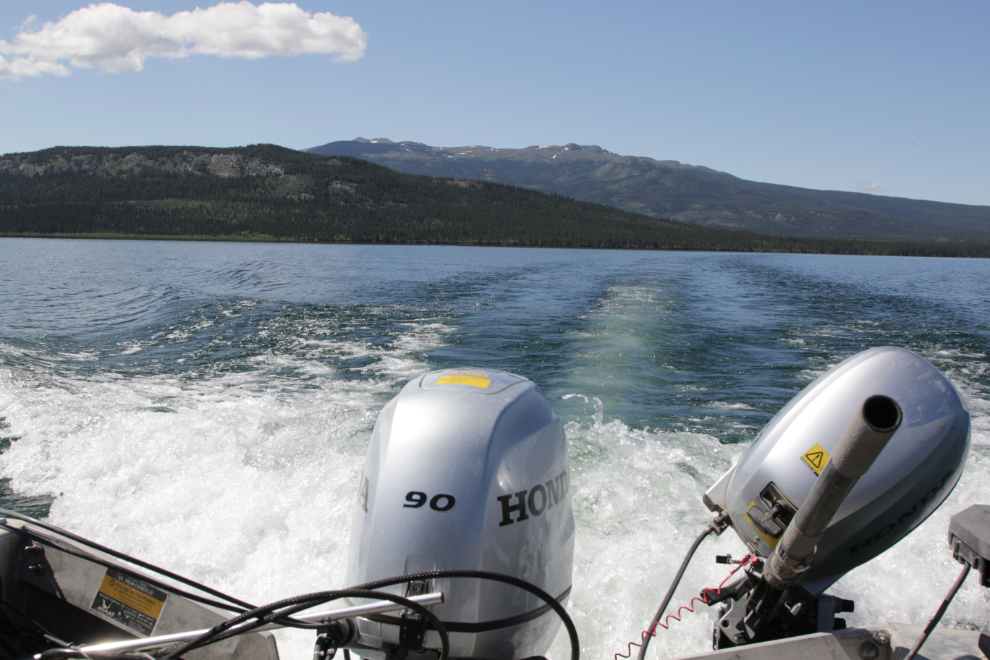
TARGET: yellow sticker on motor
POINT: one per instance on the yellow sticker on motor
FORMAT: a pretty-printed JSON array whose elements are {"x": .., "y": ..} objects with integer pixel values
[
  {"x": 473, "y": 380},
  {"x": 816, "y": 458}
]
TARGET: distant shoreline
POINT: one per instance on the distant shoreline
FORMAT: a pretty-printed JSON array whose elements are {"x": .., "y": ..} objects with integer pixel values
[
  {"x": 265, "y": 193},
  {"x": 951, "y": 251}
]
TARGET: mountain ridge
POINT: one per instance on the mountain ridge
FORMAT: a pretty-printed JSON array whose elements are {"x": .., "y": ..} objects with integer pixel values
[
  {"x": 270, "y": 193},
  {"x": 687, "y": 193}
]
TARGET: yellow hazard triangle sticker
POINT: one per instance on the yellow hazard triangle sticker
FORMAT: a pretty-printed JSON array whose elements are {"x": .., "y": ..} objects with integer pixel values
[{"x": 816, "y": 458}]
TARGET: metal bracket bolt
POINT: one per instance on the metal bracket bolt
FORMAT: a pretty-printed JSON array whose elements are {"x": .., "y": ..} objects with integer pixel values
[{"x": 868, "y": 651}]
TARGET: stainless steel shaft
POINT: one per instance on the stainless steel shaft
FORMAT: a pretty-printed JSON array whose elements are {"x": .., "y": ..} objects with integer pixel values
[{"x": 376, "y": 607}]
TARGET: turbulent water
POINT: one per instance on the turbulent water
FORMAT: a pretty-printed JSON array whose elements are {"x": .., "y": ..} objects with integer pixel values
[{"x": 206, "y": 406}]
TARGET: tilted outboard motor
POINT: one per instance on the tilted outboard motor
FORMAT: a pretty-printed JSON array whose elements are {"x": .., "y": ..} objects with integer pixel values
[
  {"x": 848, "y": 468},
  {"x": 467, "y": 469}
]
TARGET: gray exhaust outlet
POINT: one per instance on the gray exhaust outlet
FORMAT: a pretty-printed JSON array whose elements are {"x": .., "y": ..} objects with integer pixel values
[{"x": 860, "y": 445}]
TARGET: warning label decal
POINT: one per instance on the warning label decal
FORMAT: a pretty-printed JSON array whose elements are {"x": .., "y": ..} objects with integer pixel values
[
  {"x": 816, "y": 458},
  {"x": 129, "y": 601}
]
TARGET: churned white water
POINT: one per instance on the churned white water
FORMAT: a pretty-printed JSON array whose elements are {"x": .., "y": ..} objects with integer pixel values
[{"x": 213, "y": 417}]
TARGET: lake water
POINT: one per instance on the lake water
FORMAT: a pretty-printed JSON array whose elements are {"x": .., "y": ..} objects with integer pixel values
[{"x": 206, "y": 406}]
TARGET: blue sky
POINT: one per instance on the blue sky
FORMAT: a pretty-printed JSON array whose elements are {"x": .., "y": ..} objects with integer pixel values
[{"x": 891, "y": 97}]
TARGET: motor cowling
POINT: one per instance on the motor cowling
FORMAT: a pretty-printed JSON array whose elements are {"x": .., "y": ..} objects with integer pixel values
[
  {"x": 911, "y": 476},
  {"x": 466, "y": 469}
]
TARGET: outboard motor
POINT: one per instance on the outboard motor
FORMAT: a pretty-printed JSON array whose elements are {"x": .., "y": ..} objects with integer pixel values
[
  {"x": 848, "y": 468},
  {"x": 467, "y": 469}
]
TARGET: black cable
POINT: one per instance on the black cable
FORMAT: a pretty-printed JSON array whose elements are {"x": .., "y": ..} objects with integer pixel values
[
  {"x": 103, "y": 562},
  {"x": 120, "y": 555},
  {"x": 268, "y": 613},
  {"x": 169, "y": 588},
  {"x": 281, "y": 617},
  {"x": 495, "y": 577},
  {"x": 938, "y": 615},
  {"x": 14, "y": 631},
  {"x": 38, "y": 634},
  {"x": 8, "y": 649},
  {"x": 670, "y": 592},
  {"x": 44, "y": 632}
]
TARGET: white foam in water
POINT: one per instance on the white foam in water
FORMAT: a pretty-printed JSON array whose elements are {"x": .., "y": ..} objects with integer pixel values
[
  {"x": 725, "y": 405},
  {"x": 246, "y": 481},
  {"x": 637, "y": 498},
  {"x": 637, "y": 505}
]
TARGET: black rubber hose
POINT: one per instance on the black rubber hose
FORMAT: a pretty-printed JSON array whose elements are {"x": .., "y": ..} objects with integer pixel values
[{"x": 670, "y": 592}]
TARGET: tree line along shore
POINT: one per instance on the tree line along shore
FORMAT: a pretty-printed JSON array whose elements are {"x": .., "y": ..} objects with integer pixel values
[{"x": 268, "y": 193}]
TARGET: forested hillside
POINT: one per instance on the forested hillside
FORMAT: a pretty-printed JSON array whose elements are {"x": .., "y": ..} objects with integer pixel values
[
  {"x": 687, "y": 193},
  {"x": 264, "y": 192}
]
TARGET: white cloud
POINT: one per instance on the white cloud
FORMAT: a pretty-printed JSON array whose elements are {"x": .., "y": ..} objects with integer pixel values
[
  {"x": 117, "y": 38},
  {"x": 29, "y": 23},
  {"x": 871, "y": 187}
]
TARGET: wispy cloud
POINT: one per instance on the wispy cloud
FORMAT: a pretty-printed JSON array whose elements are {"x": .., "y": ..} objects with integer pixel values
[
  {"x": 871, "y": 187},
  {"x": 117, "y": 38}
]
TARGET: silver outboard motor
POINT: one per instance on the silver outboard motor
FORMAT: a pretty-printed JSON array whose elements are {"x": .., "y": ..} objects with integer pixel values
[
  {"x": 467, "y": 469},
  {"x": 849, "y": 467}
]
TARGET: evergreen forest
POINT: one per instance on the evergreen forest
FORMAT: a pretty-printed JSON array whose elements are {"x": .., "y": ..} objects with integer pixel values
[{"x": 265, "y": 192}]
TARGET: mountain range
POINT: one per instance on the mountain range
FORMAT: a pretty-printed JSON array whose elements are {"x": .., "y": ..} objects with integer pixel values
[
  {"x": 687, "y": 193},
  {"x": 270, "y": 193}
]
